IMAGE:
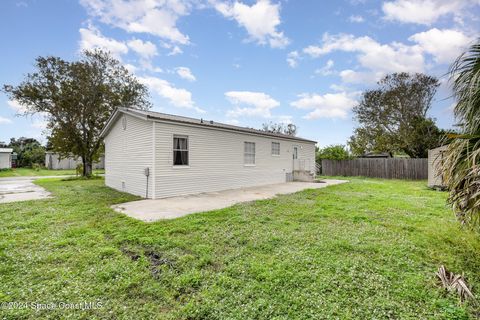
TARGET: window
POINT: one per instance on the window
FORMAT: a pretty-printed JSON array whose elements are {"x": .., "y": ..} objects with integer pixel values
[
  {"x": 180, "y": 151},
  {"x": 295, "y": 153},
  {"x": 275, "y": 148},
  {"x": 249, "y": 153}
]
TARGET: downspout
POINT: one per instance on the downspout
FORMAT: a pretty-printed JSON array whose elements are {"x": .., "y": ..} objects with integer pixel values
[{"x": 147, "y": 173}]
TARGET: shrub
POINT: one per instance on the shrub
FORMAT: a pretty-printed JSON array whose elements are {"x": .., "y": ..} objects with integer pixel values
[{"x": 79, "y": 169}]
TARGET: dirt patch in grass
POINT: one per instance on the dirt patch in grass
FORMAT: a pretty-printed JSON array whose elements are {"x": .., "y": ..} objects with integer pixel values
[
  {"x": 155, "y": 258},
  {"x": 134, "y": 256}
]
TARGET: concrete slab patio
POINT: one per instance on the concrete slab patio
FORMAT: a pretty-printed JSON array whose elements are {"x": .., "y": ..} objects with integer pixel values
[
  {"x": 175, "y": 207},
  {"x": 15, "y": 189}
]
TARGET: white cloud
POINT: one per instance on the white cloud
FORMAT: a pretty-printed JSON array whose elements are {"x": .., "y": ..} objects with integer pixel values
[
  {"x": 91, "y": 38},
  {"x": 356, "y": 19},
  {"x": 158, "y": 18},
  {"x": 130, "y": 67},
  {"x": 376, "y": 59},
  {"x": 177, "y": 96},
  {"x": 292, "y": 58},
  {"x": 260, "y": 20},
  {"x": 352, "y": 76},
  {"x": 233, "y": 122},
  {"x": 444, "y": 45},
  {"x": 15, "y": 105},
  {"x": 5, "y": 120},
  {"x": 256, "y": 104},
  {"x": 330, "y": 105},
  {"x": 145, "y": 49},
  {"x": 337, "y": 87},
  {"x": 40, "y": 124},
  {"x": 175, "y": 50},
  {"x": 326, "y": 69},
  {"x": 424, "y": 11},
  {"x": 372, "y": 55},
  {"x": 286, "y": 119},
  {"x": 185, "y": 73}
]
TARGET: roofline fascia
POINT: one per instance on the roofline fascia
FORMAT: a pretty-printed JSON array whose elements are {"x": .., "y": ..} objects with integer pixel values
[
  {"x": 188, "y": 124},
  {"x": 230, "y": 130}
]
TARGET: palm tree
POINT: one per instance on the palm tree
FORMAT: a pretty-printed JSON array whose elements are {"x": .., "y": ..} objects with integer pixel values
[{"x": 462, "y": 163}]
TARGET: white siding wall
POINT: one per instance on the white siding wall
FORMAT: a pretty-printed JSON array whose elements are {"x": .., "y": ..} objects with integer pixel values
[
  {"x": 216, "y": 160},
  {"x": 5, "y": 160},
  {"x": 435, "y": 158},
  {"x": 127, "y": 153}
]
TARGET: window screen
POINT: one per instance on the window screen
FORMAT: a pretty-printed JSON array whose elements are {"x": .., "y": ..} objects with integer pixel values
[
  {"x": 275, "y": 148},
  {"x": 180, "y": 151},
  {"x": 249, "y": 153}
]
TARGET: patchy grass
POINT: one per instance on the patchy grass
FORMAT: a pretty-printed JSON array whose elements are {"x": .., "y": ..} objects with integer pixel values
[
  {"x": 367, "y": 249},
  {"x": 28, "y": 172}
]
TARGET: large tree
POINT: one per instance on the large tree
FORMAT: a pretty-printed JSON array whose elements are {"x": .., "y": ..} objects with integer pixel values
[
  {"x": 393, "y": 117},
  {"x": 29, "y": 151},
  {"x": 461, "y": 165},
  {"x": 332, "y": 152},
  {"x": 283, "y": 128},
  {"x": 77, "y": 98}
]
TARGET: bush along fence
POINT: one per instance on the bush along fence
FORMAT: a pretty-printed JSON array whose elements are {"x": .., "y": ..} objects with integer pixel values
[{"x": 413, "y": 169}]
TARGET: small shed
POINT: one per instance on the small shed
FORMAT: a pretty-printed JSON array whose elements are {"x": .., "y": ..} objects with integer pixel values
[
  {"x": 435, "y": 161},
  {"x": 54, "y": 161},
  {"x": 6, "y": 158}
]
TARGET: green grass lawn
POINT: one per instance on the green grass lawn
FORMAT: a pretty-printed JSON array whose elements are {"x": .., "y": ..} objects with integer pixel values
[
  {"x": 368, "y": 249},
  {"x": 28, "y": 172}
]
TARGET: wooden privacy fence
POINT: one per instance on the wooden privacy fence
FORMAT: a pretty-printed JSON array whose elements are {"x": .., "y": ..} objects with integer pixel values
[{"x": 390, "y": 168}]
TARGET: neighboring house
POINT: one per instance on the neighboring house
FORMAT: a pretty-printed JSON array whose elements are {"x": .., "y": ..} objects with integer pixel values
[
  {"x": 156, "y": 155},
  {"x": 435, "y": 159},
  {"x": 6, "y": 158},
  {"x": 54, "y": 161}
]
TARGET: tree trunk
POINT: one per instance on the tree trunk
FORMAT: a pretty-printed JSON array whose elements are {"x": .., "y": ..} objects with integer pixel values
[{"x": 87, "y": 166}]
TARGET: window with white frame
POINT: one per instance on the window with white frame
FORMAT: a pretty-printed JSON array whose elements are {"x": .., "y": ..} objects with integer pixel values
[
  {"x": 180, "y": 150},
  {"x": 249, "y": 152},
  {"x": 275, "y": 148}
]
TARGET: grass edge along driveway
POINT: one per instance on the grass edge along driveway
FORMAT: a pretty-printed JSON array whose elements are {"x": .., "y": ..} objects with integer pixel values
[
  {"x": 28, "y": 172},
  {"x": 365, "y": 249}
]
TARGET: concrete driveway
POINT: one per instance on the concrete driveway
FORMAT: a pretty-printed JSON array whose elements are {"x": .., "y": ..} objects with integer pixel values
[
  {"x": 15, "y": 189},
  {"x": 175, "y": 207}
]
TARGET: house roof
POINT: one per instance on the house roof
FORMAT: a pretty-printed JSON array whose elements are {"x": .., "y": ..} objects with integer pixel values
[
  {"x": 6, "y": 150},
  {"x": 158, "y": 116},
  {"x": 441, "y": 148}
]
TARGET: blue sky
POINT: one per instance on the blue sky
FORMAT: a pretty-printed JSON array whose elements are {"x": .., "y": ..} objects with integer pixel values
[{"x": 244, "y": 62}]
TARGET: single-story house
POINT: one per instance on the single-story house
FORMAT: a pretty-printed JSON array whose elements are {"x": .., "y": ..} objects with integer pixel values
[
  {"x": 6, "y": 158},
  {"x": 54, "y": 161},
  {"x": 435, "y": 159},
  {"x": 157, "y": 155}
]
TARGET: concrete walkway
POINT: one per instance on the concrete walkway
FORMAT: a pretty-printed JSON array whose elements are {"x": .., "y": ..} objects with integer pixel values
[{"x": 175, "y": 207}]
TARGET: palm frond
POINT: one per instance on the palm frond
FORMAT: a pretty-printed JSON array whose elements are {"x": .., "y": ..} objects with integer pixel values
[
  {"x": 455, "y": 283},
  {"x": 461, "y": 165}
]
